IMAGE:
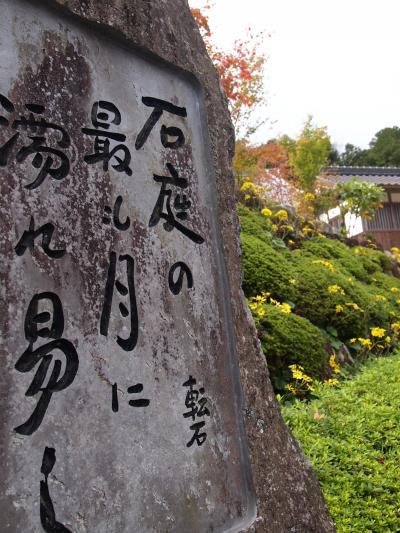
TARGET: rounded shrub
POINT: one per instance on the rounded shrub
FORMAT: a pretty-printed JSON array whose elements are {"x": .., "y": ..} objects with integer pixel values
[
  {"x": 255, "y": 224},
  {"x": 373, "y": 260},
  {"x": 321, "y": 290},
  {"x": 342, "y": 255},
  {"x": 266, "y": 269},
  {"x": 290, "y": 339}
]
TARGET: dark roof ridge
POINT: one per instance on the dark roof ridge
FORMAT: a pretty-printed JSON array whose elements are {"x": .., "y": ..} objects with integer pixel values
[{"x": 364, "y": 171}]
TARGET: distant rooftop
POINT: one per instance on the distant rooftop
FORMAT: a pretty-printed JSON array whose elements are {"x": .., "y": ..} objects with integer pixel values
[{"x": 378, "y": 175}]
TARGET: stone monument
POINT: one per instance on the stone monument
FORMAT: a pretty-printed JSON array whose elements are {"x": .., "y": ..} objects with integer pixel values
[{"x": 134, "y": 394}]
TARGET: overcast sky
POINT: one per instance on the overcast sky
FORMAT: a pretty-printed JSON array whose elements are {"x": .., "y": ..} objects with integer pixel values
[{"x": 337, "y": 60}]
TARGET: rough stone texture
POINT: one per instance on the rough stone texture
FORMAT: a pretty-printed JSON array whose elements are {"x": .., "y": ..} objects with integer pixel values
[{"x": 288, "y": 495}]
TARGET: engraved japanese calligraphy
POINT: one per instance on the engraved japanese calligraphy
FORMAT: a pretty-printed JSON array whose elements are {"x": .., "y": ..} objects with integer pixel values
[{"x": 115, "y": 341}]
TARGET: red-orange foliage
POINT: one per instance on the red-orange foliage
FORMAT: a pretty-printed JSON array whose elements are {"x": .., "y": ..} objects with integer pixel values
[
  {"x": 240, "y": 70},
  {"x": 255, "y": 161}
]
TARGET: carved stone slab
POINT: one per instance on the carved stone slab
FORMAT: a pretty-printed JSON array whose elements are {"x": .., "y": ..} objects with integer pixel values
[{"x": 120, "y": 396}]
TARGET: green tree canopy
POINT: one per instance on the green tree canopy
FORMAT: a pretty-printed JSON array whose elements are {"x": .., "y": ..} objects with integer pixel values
[
  {"x": 383, "y": 151},
  {"x": 385, "y": 148},
  {"x": 309, "y": 154}
]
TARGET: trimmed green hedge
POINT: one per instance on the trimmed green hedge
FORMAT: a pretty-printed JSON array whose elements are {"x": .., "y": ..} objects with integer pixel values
[
  {"x": 266, "y": 269},
  {"x": 290, "y": 339},
  {"x": 254, "y": 224},
  {"x": 319, "y": 306},
  {"x": 343, "y": 257},
  {"x": 351, "y": 436}
]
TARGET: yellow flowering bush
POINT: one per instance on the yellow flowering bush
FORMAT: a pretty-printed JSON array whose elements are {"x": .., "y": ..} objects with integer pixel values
[
  {"x": 281, "y": 215},
  {"x": 395, "y": 326},
  {"x": 354, "y": 306},
  {"x": 288, "y": 339},
  {"x": 380, "y": 342},
  {"x": 302, "y": 384},
  {"x": 283, "y": 308},
  {"x": 378, "y": 332},
  {"x": 307, "y": 230},
  {"x": 249, "y": 187},
  {"x": 331, "y": 382},
  {"x": 336, "y": 289},
  {"x": 266, "y": 212},
  {"x": 251, "y": 194},
  {"x": 334, "y": 364},
  {"x": 396, "y": 253},
  {"x": 309, "y": 197},
  {"x": 318, "y": 303},
  {"x": 324, "y": 263}
]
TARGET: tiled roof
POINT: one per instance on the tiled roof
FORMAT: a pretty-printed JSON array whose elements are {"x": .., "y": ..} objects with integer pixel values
[{"x": 378, "y": 175}]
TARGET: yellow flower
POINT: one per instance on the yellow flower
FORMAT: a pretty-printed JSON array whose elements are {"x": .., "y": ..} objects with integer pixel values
[
  {"x": 266, "y": 212},
  {"x": 309, "y": 197},
  {"x": 247, "y": 196},
  {"x": 331, "y": 382},
  {"x": 398, "y": 301},
  {"x": 339, "y": 309},
  {"x": 324, "y": 263},
  {"x": 378, "y": 332},
  {"x": 274, "y": 227},
  {"x": 396, "y": 327},
  {"x": 394, "y": 289},
  {"x": 335, "y": 289},
  {"x": 352, "y": 341},
  {"x": 248, "y": 187},
  {"x": 260, "y": 312},
  {"x": 380, "y": 298},
  {"x": 260, "y": 299},
  {"x": 281, "y": 215},
  {"x": 285, "y": 308},
  {"x": 365, "y": 342},
  {"x": 356, "y": 307},
  {"x": 293, "y": 281},
  {"x": 388, "y": 340},
  {"x": 291, "y": 389},
  {"x": 307, "y": 230},
  {"x": 333, "y": 364},
  {"x": 380, "y": 346},
  {"x": 298, "y": 373}
]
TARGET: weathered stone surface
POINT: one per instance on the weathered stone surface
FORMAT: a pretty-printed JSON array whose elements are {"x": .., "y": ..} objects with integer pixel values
[{"x": 288, "y": 496}]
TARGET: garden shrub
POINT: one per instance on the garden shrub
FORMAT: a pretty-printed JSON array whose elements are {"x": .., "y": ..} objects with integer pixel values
[
  {"x": 386, "y": 282},
  {"x": 290, "y": 339},
  {"x": 317, "y": 304},
  {"x": 351, "y": 437},
  {"x": 373, "y": 260},
  {"x": 255, "y": 224},
  {"x": 266, "y": 270},
  {"x": 343, "y": 256}
]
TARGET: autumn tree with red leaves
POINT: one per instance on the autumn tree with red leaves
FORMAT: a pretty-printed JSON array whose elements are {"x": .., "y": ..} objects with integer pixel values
[
  {"x": 241, "y": 76},
  {"x": 240, "y": 70}
]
